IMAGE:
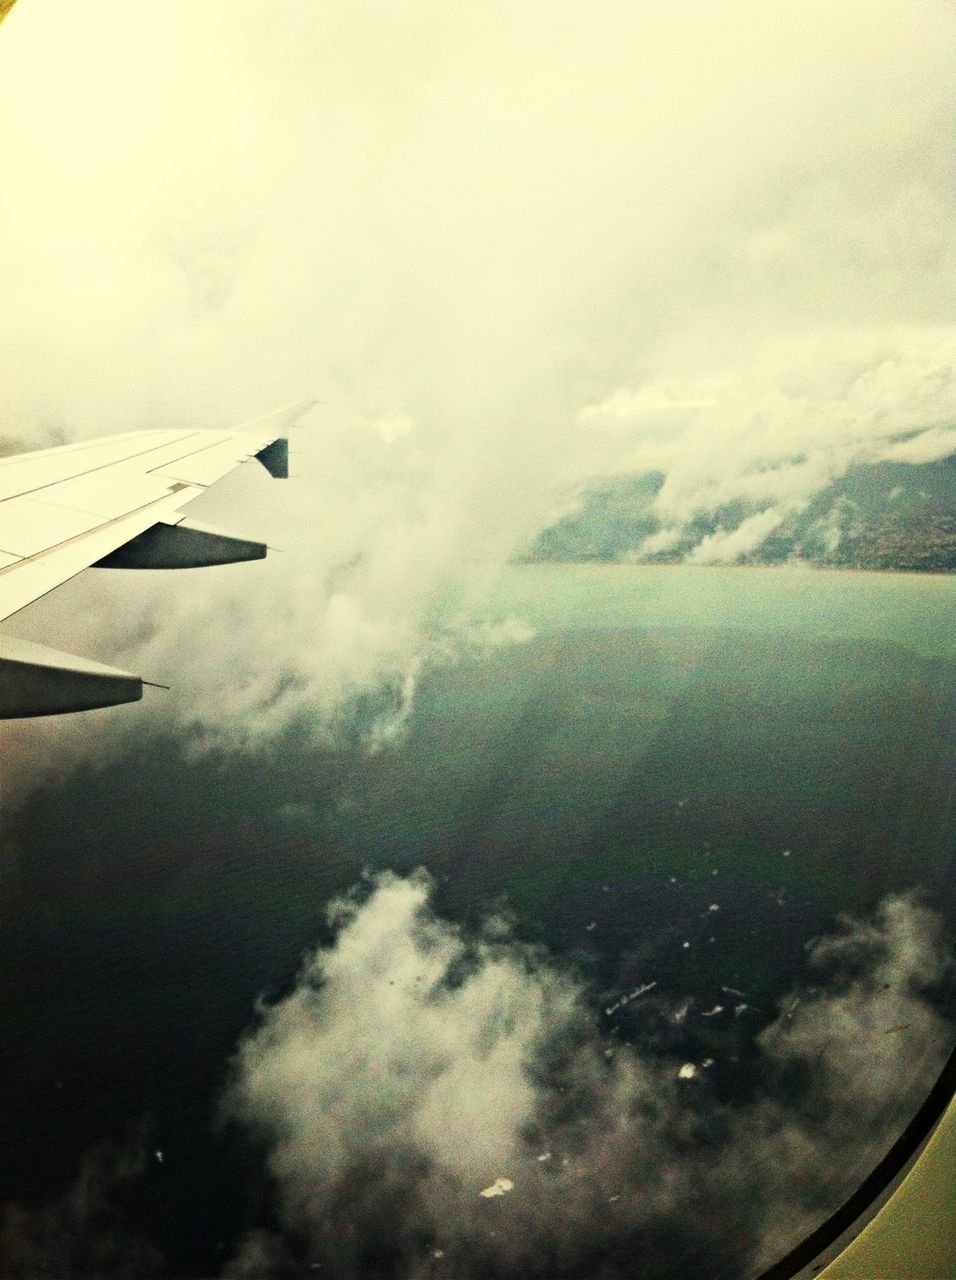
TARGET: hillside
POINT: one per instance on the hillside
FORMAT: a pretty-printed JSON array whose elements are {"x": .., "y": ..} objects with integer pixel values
[{"x": 885, "y": 515}]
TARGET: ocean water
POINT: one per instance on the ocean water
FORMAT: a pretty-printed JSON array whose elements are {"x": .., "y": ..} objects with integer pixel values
[{"x": 683, "y": 777}]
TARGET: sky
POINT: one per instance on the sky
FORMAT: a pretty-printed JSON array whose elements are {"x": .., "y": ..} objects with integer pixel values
[{"x": 511, "y": 249}]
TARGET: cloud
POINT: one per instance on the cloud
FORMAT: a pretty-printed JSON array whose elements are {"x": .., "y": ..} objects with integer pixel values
[
  {"x": 428, "y": 1095},
  {"x": 727, "y": 233},
  {"x": 731, "y": 544},
  {"x": 394, "y": 427},
  {"x": 842, "y": 1035},
  {"x": 87, "y": 1231},
  {"x": 926, "y": 446},
  {"x": 776, "y": 434}
]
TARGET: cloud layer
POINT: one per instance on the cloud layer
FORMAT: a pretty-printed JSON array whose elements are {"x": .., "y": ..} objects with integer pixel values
[
  {"x": 513, "y": 250},
  {"x": 772, "y": 436},
  {"x": 433, "y": 1102}
]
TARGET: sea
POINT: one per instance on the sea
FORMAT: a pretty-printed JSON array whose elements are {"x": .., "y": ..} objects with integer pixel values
[{"x": 621, "y": 750}]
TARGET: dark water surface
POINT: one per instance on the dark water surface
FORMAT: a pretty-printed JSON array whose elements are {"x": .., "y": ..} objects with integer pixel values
[{"x": 683, "y": 778}]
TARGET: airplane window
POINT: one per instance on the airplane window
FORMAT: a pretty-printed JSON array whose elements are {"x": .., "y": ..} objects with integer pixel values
[{"x": 542, "y": 867}]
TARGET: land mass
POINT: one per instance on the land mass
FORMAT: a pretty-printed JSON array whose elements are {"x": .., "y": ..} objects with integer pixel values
[{"x": 884, "y": 515}]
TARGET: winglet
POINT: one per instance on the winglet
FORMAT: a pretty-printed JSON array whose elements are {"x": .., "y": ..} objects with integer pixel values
[{"x": 275, "y": 458}]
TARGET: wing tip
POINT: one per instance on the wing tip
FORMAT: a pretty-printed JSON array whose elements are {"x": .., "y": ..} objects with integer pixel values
[{"x": 280, "y": 420}]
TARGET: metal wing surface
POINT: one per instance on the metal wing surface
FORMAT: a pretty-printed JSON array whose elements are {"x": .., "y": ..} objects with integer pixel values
[{"x": 113, "y": 503}]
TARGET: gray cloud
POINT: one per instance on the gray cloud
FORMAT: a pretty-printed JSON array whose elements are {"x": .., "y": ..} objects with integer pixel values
[{"x": 415, "y": 1067}]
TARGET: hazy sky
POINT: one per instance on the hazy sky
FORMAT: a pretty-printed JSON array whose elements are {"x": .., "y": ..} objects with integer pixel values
[{"x": 514, "y": 247}]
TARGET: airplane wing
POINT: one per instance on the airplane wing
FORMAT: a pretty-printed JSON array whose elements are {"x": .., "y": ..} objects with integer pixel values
[{"x": 111, "y": 503}]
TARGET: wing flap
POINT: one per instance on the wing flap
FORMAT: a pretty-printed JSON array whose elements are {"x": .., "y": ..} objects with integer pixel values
[
  {"x": 28, "y": 527},
  {"x": 27, "y": 472},
  {"x": 107, "y": 494},
  {"x": 207, "y": 465}
]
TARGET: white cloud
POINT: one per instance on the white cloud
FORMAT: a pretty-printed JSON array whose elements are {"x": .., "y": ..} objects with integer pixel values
[
  {"x": 416, "y": 1069},
  {"x": 733, "y": 543},
  {"x": 927, "y": 446}
]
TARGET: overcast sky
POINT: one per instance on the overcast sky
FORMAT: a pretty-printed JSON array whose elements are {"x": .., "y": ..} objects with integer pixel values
[{"x": 513, "y": 247}]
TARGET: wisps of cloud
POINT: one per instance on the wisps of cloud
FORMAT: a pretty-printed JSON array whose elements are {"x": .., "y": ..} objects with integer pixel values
[{"x": 437, "y": 1102}]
